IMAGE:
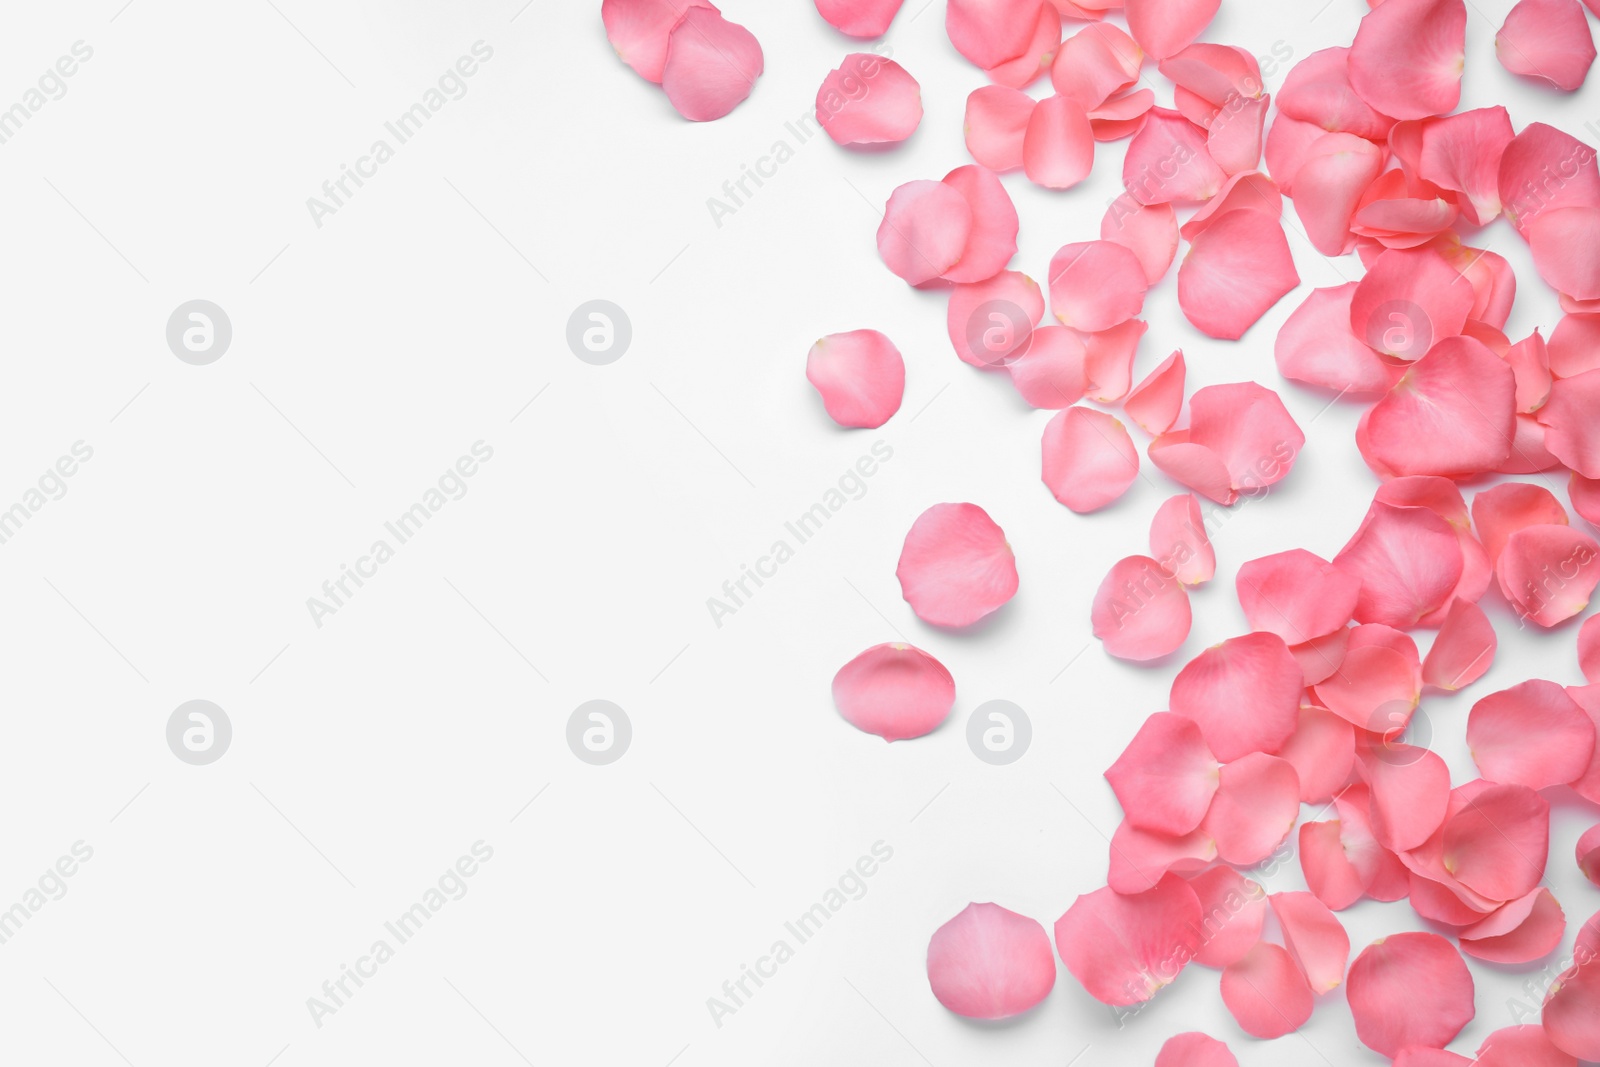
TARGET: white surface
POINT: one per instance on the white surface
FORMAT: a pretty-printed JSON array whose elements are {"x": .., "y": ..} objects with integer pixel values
[{"x": 405, "y": 729}]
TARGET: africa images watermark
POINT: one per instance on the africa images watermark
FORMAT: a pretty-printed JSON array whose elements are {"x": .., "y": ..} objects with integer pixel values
[
  {"x": 852, "y": 485},
  {"x": 52, "y": 485},
  {"x": 52, "y": 85},
  {"x": 851, "y": 885},
  {"x": 51, "y": 885},
  {"x": 451, "y": 85},
  {"x": 452, "y": 485},
  {"x": 854, "y": 86},
  {"x": 451, "y": 885}
]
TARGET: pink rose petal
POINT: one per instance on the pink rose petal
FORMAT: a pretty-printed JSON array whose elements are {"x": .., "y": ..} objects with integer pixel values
[
  {"x": 1095, "y": 64},
  {"x": 992, "y": 241},
  {"x": 1089, "y": 459},
  {"x": 990, "y": 32},
  {"x": 990, "y": 963},
  {"x": 869, "y": 100},
  {"x": 1463, "y": 650},
  {"x": 1058, "y": 145},
  {"x": 1548, "y": 573},
  {"x": 1322, "y": 750},
  {"x": 956, "y": 566},
  {"x": 1166, "y": 777},
  {"x": 1519, "y": 931},
  {"x": 1548, "y": 40},
  {"x": 1150, "y": 232},
  {"x": 638, "y": 30},
  {"x": 895, "y": 691},
  {"x": 1241, "y": 439},
  {"x": 1522, "y": 1046},
  {"x": 1296, "y": 595},
  {"x": 925, "y": 229},
  {"x": 712, "y": 64},
  {"x": 1124, "y": 948},
  {"x": 1235, "y": 908},
  {"x": 1244, "y": 693},
  {"x": 1167, "y": 161},
  {"x": 1314, "y": 937},
  {"x": 1179, "y": 542},
  {"x": 1315, "y": 346},
  {"x": 1408, "y": 561},
  {"x": 1257, "y": 802},
  {"x": 1544, "y": 169},
  {"x": 859, "y": 18},
  {"x": 860, "y": 375},
  {"x": 1234, "y": 272},
  {"x": 1050, "y": 372},
  {"x": 1195, "y": 1049},
  {"x": 1533, "y": 734},
  {"x": 1266, "y": 993},
  {"x": 1155, "y": 402},
  {"x": 1140, "y": 612},
  {"x": 996, "y": 124},
  {"x": 1407, "y": 57},
  {"x": 992, "y": 323},
  {"x": 1571, "y": 432},
  {"x": 1409, "y": 989},
  {"x": 1453, "y": 415},
  {"x": 1165, "y": 27},
  {"x": 1096, "y": 285}
]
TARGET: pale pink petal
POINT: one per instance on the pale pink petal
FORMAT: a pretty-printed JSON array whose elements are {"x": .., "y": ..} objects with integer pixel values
[
  {"x": 895, "y": 691},
  {"x": 1564, "y": 243},
  {"x": 1095, "y": 285},
  {"x": 1058, "y": 146},
  {"x": 1336, "y": 171},
  {"x": 1533, "y": 734},
  {"x": 1519, "y": 931},
  {"x": 860, "y": 375},
  {"x": 1034, "y": 60},
  {"x": 1234, "y": 272},
  {"x": 990, "y": 32},
  {"x": 1314, "y": 937},
  {"x": 1452, "y": 415},
  {"x": 1178, "y": 540},
  {"x": 1252, "y": 191},
  {"x": 997, "y": 119},
  {"x": 1317, "y": 93},
  {"x": 956, "y": 566},
  {"x": 1571, "y": 432},
  {"x": 1215, "y": 72},
  {"x": 1336, "y": 871},
  {"x": 1409, "y": 989},
  {"x": 1408, "y": 561},
  {"x": 1409, "y": 300},
  {"x": 992, "y": 241},
  {"x": 1155, "y": 402},
  {"x": 1548, "y": 40},
  {"x": 1095, "y": 64},
  {"x": 1410, "y": 789},
  {"x": 1151, "y": 233},
  {"x": 1571, "y": 1015},
  {"x": 1497, "y": 844},
  {"x": 1166, "y": 777},
  {"x": 990, "y": 963},
  {"x": 924, "y": 231},
  {"x": 1123, "y": 949},
  {"x": 1089, "y": 459},
  {"x": 1463, "y": 650},
  {"x": 1323, "y": 751},
  {"x": 712, "y": 64},
  {"x": 1257, "y": 802},
  {"x": 1499, "y": 512},
  {"x": 1407, "y": 57},
  {"x": 1527, "y": 1045},
  {"x": 638, "y": 30},
  {"x": 859, "y": 18},
  {"x": 1549, "y": 572},
  {"x": 1315, "y": 346},
  {"x": 1296, "y": 595},
  {"x": 1244, "y": 693},
  {"x": 1049, "y": 372},
  {"x": 1140, "y": 613},
  {"x": 1589, "y": 649},
  {"x": 1234, "y": 137},
  {"x": 1241, "y": 439},
  {"x": 1588, "y": 853},
  {"x": 1462, "y": 153},
  {"x": 1195, "y": 1049},
  {"x": 1266, "y": 993},
  {"x": 1139, "y": 858},
  {"x": 1575, "y": 346},
  {"x": 992, "y": 323},
  {"x": 869, "y": 100},
  {"x": 1167, "y": 161},
  {"x": 1165, "y": 27},
  {"x": 1544, "y": 169},
  {"x": 1234, "y": 910},
  {"x": 1108, "y": 360}
]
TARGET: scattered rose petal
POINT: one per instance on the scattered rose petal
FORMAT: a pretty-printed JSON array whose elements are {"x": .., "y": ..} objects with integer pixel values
[
  {"x": 1234, "y": 272},
  {"x": 1155, "y": 402},
  {"x": 1409, "y": 989},
  {"x": 990, "y": 32},
  {"x": 1241, "y": 439},
  {"x": 1522, "y": 1046},
  {"x": 1499, "y": 512},
  {"x": 1167, "y": 161},
  {"x": 1096, "y": 285},
  {"x": 1548, "y": 40},
  {"x": 638, "y": 30},
  {"x": 1519, "y": 931},
  {"x": 1589, "y": 649},
  {"x": 1244, "y": 693},
  {"x": 1409, "y": 300},
  {"x": 1140, "y": 613},
  {"x": 1571, "y": 432},
  {"x": 895, "y": 691},
  {"x": 869, "y": 100},
  {"x": 956, "y": 566},
  {"x": 860, "y": 375},
  {"x": 1235, "y": 908},
  {"x": 924, "y": 231},
  {"x": 1463, "y": 650},
  {"x": 1165, "y": 27},
  {"x": 1297, "y": 595},
  {"x": 1166, "y": 777},
  {"x": 1322, "y": 750},
  {"x": 1050, "y": 371},
  {"x": 1257, "y": 802},
  {"x": 1124, "y": 948},
  {"x": 1548, "y": 573},
  {"x": 1538, "y": 152},
  {"x": 859, "y": 18},
  {"x": 712, "y": 64},
  {"x": 1408, "y": 561},
  {"x": 1179, "y": 542},
  {"x": 1089, "y": 459},
  {"x": 1533, "y": 734},
  {"x": 1266, "y": 993},
  {"x": 1407, "y": 57},
  {"x": 990, "y": 963},
  {"x": 1195, "y": 1049},
  {"x": 1058, "y": 145},
  {"x": 992, "y": 241},
  {"x": 992, "y": 323},
  {"x": 996, "y": 122},
  {"x": 1150, "y": 232},
  {"x": 1095, "y": 64},
  {"x": 1314, "y": 937},
  {"x": 1315, "y": 346}
]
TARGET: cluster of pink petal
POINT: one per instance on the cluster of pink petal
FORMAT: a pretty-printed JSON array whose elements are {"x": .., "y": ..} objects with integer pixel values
[
  {"x": 706, "y": 64},
  {"x": 1310, "y": 706}
]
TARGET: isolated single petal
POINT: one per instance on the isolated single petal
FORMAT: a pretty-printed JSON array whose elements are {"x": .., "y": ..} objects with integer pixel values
[
  {"x": 1463, "y": 650},
  {"x": 869, "y": 100},
  {"x": 712, "y": 64},
  {"x": 996, "y": 122},
  {"x": 1089, "y": 459},
  {"x": 1095, "y": 285},
  {"x": 1533, "y": 734},
  {"x": 638, "y": 30},
  {"x": 1244, "y": 693},
  {"x": 1234, "y": 272},
  {"x": 990, "y": 963},
  {"x": 1179, "y": 542},
  {"x": 1124, "y": 948},
  {"x": 860, "y": 375},
  {"x": 1548, "y": 40},
  {"x": 956, "y": 566},
  {"x": 1409, "y": 989},
  {"x": 1140, "y": 612},
  {"x": 895, "y": 691},
  {"x": 924, "y": 230},
  {"x": 1407, "y": 57},
  {"x": 1266, "y": 993}
]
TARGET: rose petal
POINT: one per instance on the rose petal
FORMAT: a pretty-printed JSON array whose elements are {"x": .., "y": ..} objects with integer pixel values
[
  {"x": 859, "y": 18},
  {"x": 1407, "y": 57},
  {"x": 992, "y": 241},
  {"x": 1547, "y": 39},
  {"x": 1029, "y": 65},
  {"x": 1322, "y": 750},
  {"x": 1096, "y": 285},
  {"x": 1314, "y": 937},
  {"x": 1240, "y": 439},
  {"x": 1139, "y": 858},
  {"x": 1409, "y": 989},
  {"x": 1050, "y": 371},
  {"x": 1296, "y": 595},
  {"x": 1585, "y": 496},
  {"x": 1410, "y": 791},
  {"x": 1058, "y": 145},
  {"x": 1155, "y": 402},
  {"x": 1244, "y": 693},
  {"x": 1095, "y": 64},
  {"x": 1544, "y": 169},
  {"x": 1462, "y": 153},
  {"x": 1166, "y": 777},
  {"x": 1140, "y": 613},
  {"x": 990, "y": 963},
  {"x": 989, "y": 32},
  {"x": 1315, "y": 346},
  {"x": 1548, "y": 573},
  {"x": 1195, "y": 1049},
  {"x": 1167, "y": 161},
  {"x": 860, "y": 375},
  {"x": 1089, "y": 459},
  {"x": 1453, "y": 415},
  {"x": 1522, "y": 1046},
  {"x": 638, "y": 30},
  {"x": 1108, "y": 360},
  {"x": 924, "y": 231},
  {"x": 1336, "y": 171},
  {"x": 1563, "y": 242},
  {"x": 1317, "y": 93},
  {"x": 869, "y": 100},
  {"x": 1122, "y": 949},
  {"x": 996, "y": 122},
  {"x": 1257, "y": 802},
  {"x": 1408, "y": 561},
  {"x": 1519, "y": 931},
  {"x": 1463, "y": 650},
  {"x": 895, "y": 691},
  {"x": 1503, "y": 510},
  {"x": 1337, "y": 871},
  {"x": 1571, "y": 1015},
  {"x": 1149, "y": 232},
  {"x": 1234, "y": 137},
  {"x": 992, "y": 323},
  {"x": 1266, "y": 993},
  {"x": 1589, "y": 649},
  {"x": 1408, "y": 301},
  {"x": 956, "y": 566},
  {"x": 1588, "y": 698},
  {"x": 1165, "y": 27},
  {"x": 1588, "y": 853},
  {"x": 1571, "y": 432},
  {"x": 712, "y": 64},
  {"x": 1533, "y": 734},
  {"x": 1234, "y": 908},
  {"x": 1575, "y": 345},
  {"x": 1178, "y": 540},
  {"x": 1234, "y": 272},
  {"x": 1375, "y": 689}
]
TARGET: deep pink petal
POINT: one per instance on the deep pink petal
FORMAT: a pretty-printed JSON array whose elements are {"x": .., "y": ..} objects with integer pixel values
[
  {"x": 1096, "y": 285},
  {"x": 1244, "y": 693},
  {"x": 990, "y": 963},
  {"x": 997, "y": 119},
  {"x": 1548, "y": 40},
  {"x": 1234, "y": 272},
  {"x": 1123, "y": 949},
  {"x": 1266, "y": 993},
  {"x": 1165, "y": 27},
  {"x": 1140, "y": 612},
  {"x": 860, "y": 375},
  {"x": 1179, "y": 542},
  {"x": 1463, "y": 650},
  {"x": 1409, "y": 989},
  {"x": 638, "y": 30},
  {"x": 1533, "y": 734},
  {"x": 1089, "y": 459},
  {"x": 956, "y": 566},
  {"x": 924, "y": 231},
  {"x": 1407, "y": 57},
  {"x": 869, "y": 100},
  {"x": 712, "y": 64},
  {"x": 895, "y": 691},
  {"x": 1058, "y": 145}
]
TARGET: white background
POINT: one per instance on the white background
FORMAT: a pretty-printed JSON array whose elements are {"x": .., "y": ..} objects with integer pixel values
[{"x": 370, "y": 753}]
